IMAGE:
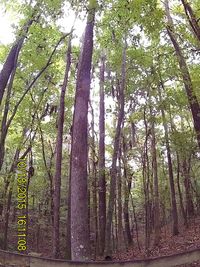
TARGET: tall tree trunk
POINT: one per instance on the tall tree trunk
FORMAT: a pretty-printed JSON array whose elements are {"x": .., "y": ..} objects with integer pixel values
[
  {"x": 136, "y": 223},
  {"x": 115, "y": 153},
  {"x": 192, "y": 98},
  {"x": 127, "y": 180},
  {"x": 146, "y": 185},
  {"x": 58, "y": 165},
  {"x": 94, "y": 221},
  {"x": 191, "y": 18},
  {"x": 197, "y": 196},
  {"x": 49, "y": 172},
  {"x": 79, "y": 154},
  {"x": 121, "y": 240},
  {"x": 184, "y": 214},
  {"x": 6, "y": 124},
  {"x": 156, "y": 187},
  {"x": 11, "y": 60},
  {"x": 102, "y": 178},
  {"x": 170, "y": 168},
  {"x": 68, "y": 228},
  {"x": 187, "y": 183}
]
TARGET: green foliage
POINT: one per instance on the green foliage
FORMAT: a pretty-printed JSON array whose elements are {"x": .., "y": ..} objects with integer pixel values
[{"x": 151, "y": 64}]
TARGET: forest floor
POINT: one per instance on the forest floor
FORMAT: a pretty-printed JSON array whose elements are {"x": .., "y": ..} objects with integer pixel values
[{"x": 187, "y": 239}]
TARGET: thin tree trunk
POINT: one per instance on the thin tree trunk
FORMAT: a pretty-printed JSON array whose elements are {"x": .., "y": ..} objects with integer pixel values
[
  {"x": 191, "y": 18},
  {"x": 11, "y": 60},
  {"x": 114, "y": 158},
  {"x": 121, "y": 241},
  {"x": 187, "y": 184},
  {"x": 192, "y": 98},
  {"x": 5, "y": 126},
  {"x": 170, "y": 168},
  {"x": 48, "y": 170},
  {"x": 115, "y": 228},
  {"x": 94, "y": 184},
  {"x": 127, "y": 180},
  {"x": 157, "y": 231},
  {"x": 58, "y": 165},
  {"x": 68, "y": 228},
  {"x": 146, "y": 185},
  {"x": 79, "y": 154},
  {"x": 180, "y": 194},
  {"x": 136, "y": 223},
  {"x": 102, "y": 178}
]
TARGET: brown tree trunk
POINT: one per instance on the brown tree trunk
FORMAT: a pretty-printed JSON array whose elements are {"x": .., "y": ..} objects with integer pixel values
[
  {"x": 11, "y": 60},
  {"x": 191, "y": 18},
  {"x": 68, "y": 228},
  {"x": 180, "y": 194},
  {"x": 127, "y": 180},
  {"x": 121, "y": 241},
  {"x": 197, "y": 196},
  {"x": 146, "y": 185},
  {"x": 157, "y": 231},
  {"x": 102, "y": 178},
  {"x": 192, "y": 98},
  {"x": 112, "y": 195},
  {"x": 187, "y": 184},
  {"x": 94, "y": 218},
  {"x": 58, "y": 165},
  {"x": 79, "y": 154},
  {"x": 49, "y": 172},
  {"x": 170, "y": 168},
  {"x": 115, "y": 237},
  {"x": 6, "y": 124},
  {"x": 136, "y": 223}
]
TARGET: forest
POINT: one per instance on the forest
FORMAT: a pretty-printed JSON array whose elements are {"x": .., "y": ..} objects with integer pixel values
[{"x": 100, "y": 128}]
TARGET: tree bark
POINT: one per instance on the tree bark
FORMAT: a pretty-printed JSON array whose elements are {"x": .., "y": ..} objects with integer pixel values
[
  {"x": 68, "y": 228},
  {"x": 49, "y": 172},
  {"x": 102, "y": 178},
  {"x": 157, "y": 228},
  {"x": 79, "y": 154},
  {"x": 184, "y": 214},
  {"x": 115, "y": 154},
  {"x": 170, "y": 168},
  {"x": 11, "y": 60},
  {"x": 94, "y": 217},
  {"x": 146, "y": 185},
  {"x": 58, "y": 165},
  {"x": 187, "y": 183},
  {"x": 191, "y": 18},
  {"x": 6, "y": 124},
  {"x": 121, "y": 240},
  {"x": 127, "y": 180},
  {"x": 192, "y": 98}
]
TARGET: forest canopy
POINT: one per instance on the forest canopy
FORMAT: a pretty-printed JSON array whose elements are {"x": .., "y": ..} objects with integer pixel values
[{"x": 100, "y": 101}]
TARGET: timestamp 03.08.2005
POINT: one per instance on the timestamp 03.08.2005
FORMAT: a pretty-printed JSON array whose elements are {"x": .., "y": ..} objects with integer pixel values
[{"x": 21, "y": 205}]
